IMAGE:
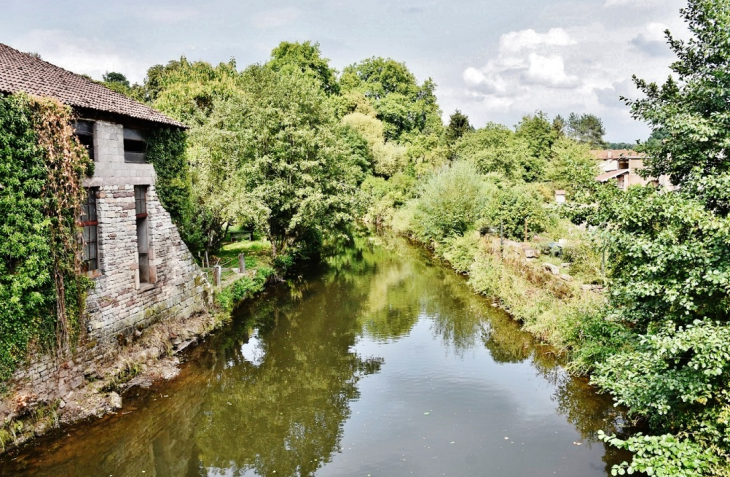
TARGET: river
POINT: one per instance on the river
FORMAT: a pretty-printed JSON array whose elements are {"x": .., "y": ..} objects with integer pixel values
[{"x": 381, "y": 364}]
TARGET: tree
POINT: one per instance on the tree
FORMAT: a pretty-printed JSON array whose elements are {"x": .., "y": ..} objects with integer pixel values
[
  {"x": 691, "y": 109},
  {"x": 114, "y": 77},
  {"x": 458, "y": 126},
  {"x": 307, "y": 57},
  {"x": 404, "y": 107},
  {"x": 539, "y": 134},
  {"x": 495, "y": 148},
  {"x": 559, "y": 125},
  {"x": 586, "y": 128},
  {"x": 274, "y": 153},
  {"x": 670, "y": 254}
]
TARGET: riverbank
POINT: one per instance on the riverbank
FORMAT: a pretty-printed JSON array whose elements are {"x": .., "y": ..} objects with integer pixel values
[
  {"x": 547, "y": 295},
  {"x": 149, "y": 355}
]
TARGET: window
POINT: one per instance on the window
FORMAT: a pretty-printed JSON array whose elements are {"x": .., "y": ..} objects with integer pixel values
[
  {"x": 84, "y": 131},
  {"x": 89, "y": 222},
  {"x": 135, "y": 146},
  {"x": 140, "y": 203}
]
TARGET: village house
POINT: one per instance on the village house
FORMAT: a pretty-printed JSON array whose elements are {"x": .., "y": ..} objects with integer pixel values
[
  {"x": 623, "y": 165},
  {"x": 142, "y": 271}
]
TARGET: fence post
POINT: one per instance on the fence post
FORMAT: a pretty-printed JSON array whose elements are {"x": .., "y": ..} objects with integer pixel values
[
  {"x": 217, "y": 275},
  {"x": 525, "y": 229},
  {"x": 241, "y": 263},
  {"x": 501, "y": 238}
]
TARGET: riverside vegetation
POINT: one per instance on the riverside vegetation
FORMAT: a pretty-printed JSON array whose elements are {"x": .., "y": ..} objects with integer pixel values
[{"x": 301, "y": 154}]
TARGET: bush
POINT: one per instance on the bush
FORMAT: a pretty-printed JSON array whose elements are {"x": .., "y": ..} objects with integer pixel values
[
  {"x": 243, "y": 288},
  {"x": 450, "y": 203}
]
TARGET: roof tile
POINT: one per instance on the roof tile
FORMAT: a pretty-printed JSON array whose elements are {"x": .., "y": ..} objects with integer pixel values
[{"x": 23, "y": 72}]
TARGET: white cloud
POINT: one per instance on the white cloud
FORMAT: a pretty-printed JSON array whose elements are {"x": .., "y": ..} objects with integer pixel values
[
  {"x": 633, "y": 3},
  {"x": 549, "y": 71},
  {"x": 275, "y": 18},
  {"x": 91, "y": 56},
  {"x": 582, "y": 68},
  {"x": 529, "y": 39}
]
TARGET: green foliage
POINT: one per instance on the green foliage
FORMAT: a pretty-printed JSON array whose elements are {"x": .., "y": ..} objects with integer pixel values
[
  {"x": 539, "y": 134},
  {"x": 26, "y": 294},
  {"x": 243, "y": 288},
  {"x": 458, "y": 126},
  {"x": 691, "y": 110},
  {"x": 670, "y": 259},
  {"x": 307, "y": 57},
  {"x": 41, "y": 166},
  {"x": 495, "y": 148},
  {"x": 662, "y": 456},
  {"x": 513, "y": 205},
  {"x": 187, "y": 91},
  {"x": 449, "y": 203},
  {"x": 166, "y": 152},
  {"x": 280, "y": 159},
  {"x": 573, "y": 169},
  {"x": 404, "y": 107},
  {"x": 586, "y": 128}
]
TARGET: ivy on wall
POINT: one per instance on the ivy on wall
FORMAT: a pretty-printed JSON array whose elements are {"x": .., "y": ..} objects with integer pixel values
[
  {"x": 199, "y": 228},
  {"x": 41, "y": 169}
]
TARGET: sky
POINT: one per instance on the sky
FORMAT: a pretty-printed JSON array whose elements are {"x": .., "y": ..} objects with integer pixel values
[{"x": 495, "y": 60}]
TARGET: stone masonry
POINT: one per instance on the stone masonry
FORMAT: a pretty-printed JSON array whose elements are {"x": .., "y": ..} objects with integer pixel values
[{"x": 119, "y": 305}]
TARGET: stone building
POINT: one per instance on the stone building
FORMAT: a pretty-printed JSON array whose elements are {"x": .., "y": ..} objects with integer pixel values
[{"x": 142, "y": 271}]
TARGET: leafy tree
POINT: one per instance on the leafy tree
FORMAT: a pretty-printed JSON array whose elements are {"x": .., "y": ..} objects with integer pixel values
[
  {"x": 449, "y": 203},
  {"x": 388, "y": 158},
  {"x": 307, "y": 57},
  {"x": 572, "y": 168},
  {"x": 539, "y": 134},
  {"x": 691, "y": 111},
  {"x": 114, "y": 77},
  {"x": 275, "y": 153},
  {"x": 586, "y": 128},
  {"x": 458, "y": 126},
  {"x": 620, "y": 145},
  {"x": 559, "y": 126},
  {"x": 495, "y": 148},
  {"x": 670, "y": 257},
  {"x": 403, "y": 106}
]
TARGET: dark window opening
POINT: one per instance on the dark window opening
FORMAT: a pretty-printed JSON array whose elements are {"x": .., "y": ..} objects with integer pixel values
[
  {"x": 135, "y": 146},
  {"x": 140, "y": 202},
  {"x": 84, "y": 131},
  {"x": 90, "y": 223}
]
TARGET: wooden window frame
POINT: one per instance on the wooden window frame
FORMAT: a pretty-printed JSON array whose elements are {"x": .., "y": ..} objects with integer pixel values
[
  {"x": 90, "y": 225},
  {"x": 135, "y": 146},
  {"x": 84, "y": 131},
  {"x": 143, "y": 244}
]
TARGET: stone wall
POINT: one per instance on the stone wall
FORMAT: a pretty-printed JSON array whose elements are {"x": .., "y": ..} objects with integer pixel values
[{"x": 120, "y": 306}]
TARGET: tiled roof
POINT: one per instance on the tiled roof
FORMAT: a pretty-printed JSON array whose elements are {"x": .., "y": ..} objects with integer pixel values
[
  {"x": 610, "y": 175},
  {"x": 23, "y": 72},
  {"x": 616, "y": 154}
]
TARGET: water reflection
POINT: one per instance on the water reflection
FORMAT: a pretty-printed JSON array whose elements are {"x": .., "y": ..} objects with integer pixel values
[{"x": 385, "y": 363}]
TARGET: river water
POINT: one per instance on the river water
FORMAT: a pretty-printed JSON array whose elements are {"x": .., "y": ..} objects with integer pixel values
[{"x": 382, "y": 364}]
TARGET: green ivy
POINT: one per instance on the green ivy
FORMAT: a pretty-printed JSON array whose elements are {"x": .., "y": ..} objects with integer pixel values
[
  {"x": 166, "y": 152},
  {"x": 39, "y": 249}
]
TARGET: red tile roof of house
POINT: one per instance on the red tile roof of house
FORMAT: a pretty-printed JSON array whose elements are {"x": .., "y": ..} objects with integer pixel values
[
  {"x": 610, "y": 175},
  {"x": 23, "y": 72},
  {"x": 606, "y": 154}
]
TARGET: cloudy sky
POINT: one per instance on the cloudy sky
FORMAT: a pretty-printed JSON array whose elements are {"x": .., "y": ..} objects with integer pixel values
[{"x": 496, "y": 60}]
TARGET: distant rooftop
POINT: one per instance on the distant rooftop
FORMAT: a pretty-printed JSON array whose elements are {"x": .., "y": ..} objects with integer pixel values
[
  {"x": 606, "y": 154},
  {"x": 23, "y": 72}
]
